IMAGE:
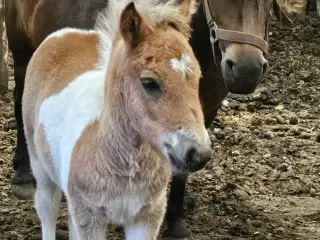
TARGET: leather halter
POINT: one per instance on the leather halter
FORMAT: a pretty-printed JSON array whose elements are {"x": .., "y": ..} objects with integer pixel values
[{"x": 217, "y": 34}]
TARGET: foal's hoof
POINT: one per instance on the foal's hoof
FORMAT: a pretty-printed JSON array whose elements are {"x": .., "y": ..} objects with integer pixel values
[
  {"x": 23, "y": 186},
  {"x": 176, "y": 230}
]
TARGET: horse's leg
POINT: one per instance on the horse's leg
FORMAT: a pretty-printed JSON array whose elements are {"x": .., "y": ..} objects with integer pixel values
[
  {"x": 175, "y": 214},
  {"x": 22, "y": 182},
  {"x": 47, "y": 201}
]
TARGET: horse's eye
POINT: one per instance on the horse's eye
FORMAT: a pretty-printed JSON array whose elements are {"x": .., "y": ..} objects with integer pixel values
[{"x": 152, "y": 87}]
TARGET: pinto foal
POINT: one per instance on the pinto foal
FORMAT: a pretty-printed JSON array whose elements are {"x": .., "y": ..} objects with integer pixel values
[{"x": 105, "y": 113}]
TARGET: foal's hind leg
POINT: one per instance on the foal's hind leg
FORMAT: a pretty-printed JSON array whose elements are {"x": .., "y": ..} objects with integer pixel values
[{"x": 47, "y": 201}]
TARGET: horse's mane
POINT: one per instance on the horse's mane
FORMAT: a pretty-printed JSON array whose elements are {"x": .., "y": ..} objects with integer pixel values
[{"x": 154, "y": 11}]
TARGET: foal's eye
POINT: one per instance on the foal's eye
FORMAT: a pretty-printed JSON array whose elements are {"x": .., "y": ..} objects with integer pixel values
[{"x": 152, "y": 87}]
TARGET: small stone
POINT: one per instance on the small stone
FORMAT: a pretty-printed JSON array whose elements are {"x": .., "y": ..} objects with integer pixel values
[
  {"x": 12, "y": 125},
  {"x": 313, "y": 192},
  {"x": 251, "y": 107},
  {"x": 213, "y": 138},
  {"x": 279, "y": 107},
  {"x": 305, "y": 135},
  {"x": 270, "y": 121},
  {"x": 295, "y": 132},
  {"x": 225, "y": 103},
  {"x": 280, "y": 120},
  {"x": 318, "y": 138},
  {"x": 268, "y": 134},
  {"x": 5, "y": 210},
  {"x": 218, "y": 133},
  {"x": 293, "y": 120},
  {"x": 305, "y": 74},
  {"x": 235, "y": 153},
  {"x": 266, "y": 156},
  {"x": 283, "y": 167},
  {"x": 242, "y": 108},
  {"x": 255, "y": 121},
  {"x": 303, "y": 114},
  {"x": 241, "y": 195},
  {"x": 280, "y": 230},
  {"x": 228, "y": 131}
]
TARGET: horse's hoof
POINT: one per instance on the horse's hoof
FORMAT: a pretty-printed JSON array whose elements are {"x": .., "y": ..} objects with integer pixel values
[
  {"x": 23, "y": 186},
  {"x": 23, "y": 191},
  {"x": 176, "y": 230}
]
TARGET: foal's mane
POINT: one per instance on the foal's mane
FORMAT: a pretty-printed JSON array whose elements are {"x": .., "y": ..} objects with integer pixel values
[{"x": 154, "y": 11}]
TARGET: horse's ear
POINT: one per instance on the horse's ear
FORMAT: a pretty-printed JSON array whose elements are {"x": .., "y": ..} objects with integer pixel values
[
  {"x": 280, "y": 15},
  {"x": 132, "y": 25}
]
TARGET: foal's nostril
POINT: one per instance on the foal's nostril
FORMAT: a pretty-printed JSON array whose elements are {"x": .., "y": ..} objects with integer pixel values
[
  {"x": 192, "y": 155},
  {"x": 230, "y": 63}
]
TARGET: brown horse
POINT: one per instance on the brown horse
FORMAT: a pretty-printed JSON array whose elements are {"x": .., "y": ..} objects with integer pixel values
[
  {"x": 235, "y": 65},
  {"x": 92, "y": 121}
]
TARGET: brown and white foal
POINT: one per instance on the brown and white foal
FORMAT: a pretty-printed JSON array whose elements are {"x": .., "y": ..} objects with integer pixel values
[{"x": 106, "y": 111}]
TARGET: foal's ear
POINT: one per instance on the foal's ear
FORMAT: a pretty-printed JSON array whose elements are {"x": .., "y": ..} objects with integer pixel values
[
  {"x": 132, "y": 26},
  {"x": 280, "y": 15},
  {"x": 188, "y": 8}
]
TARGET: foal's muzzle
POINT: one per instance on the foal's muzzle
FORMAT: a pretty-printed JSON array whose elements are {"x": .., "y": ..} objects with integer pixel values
[{"x": 187, "y": 154}]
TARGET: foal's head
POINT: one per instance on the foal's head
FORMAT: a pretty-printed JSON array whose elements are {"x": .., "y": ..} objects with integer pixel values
[
  {"x": 243, "y": 65},
  {"x": 155, "y": 77}
]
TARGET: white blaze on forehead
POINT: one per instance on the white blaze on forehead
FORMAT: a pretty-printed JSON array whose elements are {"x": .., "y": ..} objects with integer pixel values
[{"x": 182, "y": 65}]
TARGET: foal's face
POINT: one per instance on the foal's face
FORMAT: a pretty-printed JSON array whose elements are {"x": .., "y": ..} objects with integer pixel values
[
  {"x": 243, "y": 65},
  {"x": 162, "y": 95}
]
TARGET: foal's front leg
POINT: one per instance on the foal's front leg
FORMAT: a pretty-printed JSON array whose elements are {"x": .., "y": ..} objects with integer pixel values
[
  {"x": 148, "y": 223},
  {"x": 84, "y": 224}
]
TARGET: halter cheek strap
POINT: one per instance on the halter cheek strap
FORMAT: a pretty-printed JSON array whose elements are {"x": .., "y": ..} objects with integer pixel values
[{"x": 217, "y": 34}]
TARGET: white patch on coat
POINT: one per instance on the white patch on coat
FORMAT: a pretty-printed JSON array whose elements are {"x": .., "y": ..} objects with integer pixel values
[
  {"x": 182, "y": 65},
  {"x": 66, "y": 115}
]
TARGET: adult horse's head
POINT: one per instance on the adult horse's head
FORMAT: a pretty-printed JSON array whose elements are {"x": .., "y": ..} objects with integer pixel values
[
  {"x": 154, "y": 80},
  {"x": 239, "y": 35}
]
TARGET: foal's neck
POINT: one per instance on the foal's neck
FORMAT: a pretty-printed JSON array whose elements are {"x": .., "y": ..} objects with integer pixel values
[{"x": 120, "y": 139}]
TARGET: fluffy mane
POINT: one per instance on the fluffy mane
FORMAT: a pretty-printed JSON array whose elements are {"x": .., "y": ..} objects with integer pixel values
[{"x": 178, "y": 12}]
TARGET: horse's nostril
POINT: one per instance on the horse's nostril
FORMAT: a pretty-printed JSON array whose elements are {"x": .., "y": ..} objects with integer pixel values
[{"x": 230, "y": 63}]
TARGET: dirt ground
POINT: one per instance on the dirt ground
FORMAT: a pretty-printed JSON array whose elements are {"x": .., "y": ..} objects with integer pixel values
[{"x": 264, "y": 179}]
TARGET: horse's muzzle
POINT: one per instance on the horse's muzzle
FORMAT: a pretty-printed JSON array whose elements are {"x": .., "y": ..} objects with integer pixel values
[{"x": 242, "y": 77}]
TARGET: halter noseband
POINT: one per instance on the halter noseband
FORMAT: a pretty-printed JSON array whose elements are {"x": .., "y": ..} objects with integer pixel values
[{"x": 217, "y": 34}]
